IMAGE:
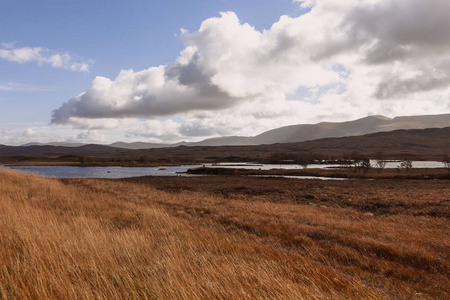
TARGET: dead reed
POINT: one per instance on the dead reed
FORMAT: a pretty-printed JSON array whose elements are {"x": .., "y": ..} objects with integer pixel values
[{"x": 113, "y": 239}]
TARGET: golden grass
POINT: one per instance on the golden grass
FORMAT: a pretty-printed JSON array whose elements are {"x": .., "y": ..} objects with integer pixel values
[
  {"x": 44, "y": 163},
  {"x": 106, "y": 239}
]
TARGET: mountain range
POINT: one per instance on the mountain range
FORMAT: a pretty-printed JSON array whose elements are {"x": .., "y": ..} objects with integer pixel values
[
  {"x": 414, "y": 144},
  {"x": 300, "y": 133}
]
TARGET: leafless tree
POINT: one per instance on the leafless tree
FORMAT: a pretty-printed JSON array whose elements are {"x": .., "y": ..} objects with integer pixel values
[
  {"x": 407, "y": 165},
  {"x": 380, "y": 162},
  {"x": 365, "y": 165},
  {"x": 446, "y": 161},
  {"x": 357, "y": 160}
]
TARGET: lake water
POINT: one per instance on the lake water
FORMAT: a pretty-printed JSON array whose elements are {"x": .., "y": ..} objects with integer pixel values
[
  {"x": 254, "y": 166},
  {"x": 124, "y": 172},
  {"x": 301, "y": 177},
  {"x": 105, "y": 172}
]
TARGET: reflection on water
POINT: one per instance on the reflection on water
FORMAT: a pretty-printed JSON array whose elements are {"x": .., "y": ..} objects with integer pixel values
[
  {"x": 124, "y": 172},
  {"x": 301, "y": 177},
  {"x": 254, "y": 166},
  {"x": 105, "y": 172}
]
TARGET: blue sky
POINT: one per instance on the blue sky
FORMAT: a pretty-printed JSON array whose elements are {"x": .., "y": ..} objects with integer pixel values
[{"x": 53, "y": 51}]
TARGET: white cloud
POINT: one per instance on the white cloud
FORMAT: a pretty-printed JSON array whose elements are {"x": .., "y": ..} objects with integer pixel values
[
  {"x": 356, "y": 57},
  {"x": 91, "y": 136},
  {"x": 19, "y": 136},
  {"x": 96, "y": 124},
  {"x": 225, "y": 64},
  {"x": 156, "y": 131},
  {"x": 12, "y": 86},
  {"x": 41, "y": 56},
  {"x": 306, "y": 3},
  {"x": 7, "y": 87}
]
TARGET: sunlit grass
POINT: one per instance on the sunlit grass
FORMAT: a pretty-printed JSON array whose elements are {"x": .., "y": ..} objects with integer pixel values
[{"x": 105, "y": 239}]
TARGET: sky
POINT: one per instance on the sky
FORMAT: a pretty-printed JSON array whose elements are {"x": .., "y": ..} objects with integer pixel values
[{"x": 169, "y": 71}]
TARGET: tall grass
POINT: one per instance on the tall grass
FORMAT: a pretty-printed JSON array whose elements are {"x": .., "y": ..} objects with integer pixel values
[{"x": 103, "y": 239}]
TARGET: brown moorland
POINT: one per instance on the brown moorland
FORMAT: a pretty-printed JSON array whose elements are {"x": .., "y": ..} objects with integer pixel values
[
  {"x": 344, "y": 171},
  {"x": 224, "y": 237}
]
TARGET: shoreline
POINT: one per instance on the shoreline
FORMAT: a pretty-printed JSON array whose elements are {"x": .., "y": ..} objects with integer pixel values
[{"x": 345, "y": 173}]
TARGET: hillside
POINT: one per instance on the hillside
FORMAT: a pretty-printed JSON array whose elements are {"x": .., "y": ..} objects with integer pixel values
[
  {"x": 419, "y": 144},
  {"x": 371, "y": 124},
  {"x": 59, "y": 144},
  {"x": 143, "y": 145},
  {"x": 296, "y": 133},
  {"x": 306, "y": 132}
]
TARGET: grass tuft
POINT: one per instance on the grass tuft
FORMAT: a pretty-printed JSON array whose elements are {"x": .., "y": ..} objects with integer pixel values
[{"x": 130, "y": 239}]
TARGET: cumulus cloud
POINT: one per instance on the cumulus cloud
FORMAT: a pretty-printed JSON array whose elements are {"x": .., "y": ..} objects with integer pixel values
[
  {"x": 91, "y": 136},
  {"x": 19, "y": 136},
  {"x": 155, "y": 130},
  {"x": 411, "y": 43},
  {"x": 42, "y": 56},
  {"x": 355, "y": 57},
  {"x": 224, "y": 64}
]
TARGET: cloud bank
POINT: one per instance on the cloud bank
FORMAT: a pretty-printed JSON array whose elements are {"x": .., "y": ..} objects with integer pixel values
[
  {"x": 42, "y": 56},
  {"x": 353, "y": 58}
]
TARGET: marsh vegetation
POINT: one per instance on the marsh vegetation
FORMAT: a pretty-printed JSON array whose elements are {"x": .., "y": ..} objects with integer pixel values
[{"x": 227, "y": 237}]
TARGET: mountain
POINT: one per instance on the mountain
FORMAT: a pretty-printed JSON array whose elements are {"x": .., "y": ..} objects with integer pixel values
[
  {"x": 57, "y": 150},
  {"x": 218, "y": 141},
  {"x": 307, "y": 132},
  {"x": 297, "y": 133},
  {"x": 418, "y": 144},
  {"x": 371, "y": 124},
  {"x": 59, "y": 144},
  {"x": 139, "y": 145},
  {"x": 222, "y": 141}
]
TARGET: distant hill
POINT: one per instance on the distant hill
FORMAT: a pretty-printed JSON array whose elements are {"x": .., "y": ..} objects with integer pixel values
[
  {"x": 57, "y": 150},
  {"x": 219, "y": 141},
  {"x": 426, "y": 144},
  {"x": 420, "y": 144},
  {"x": 371, "y": 124},
  {"x": 222, "y": 141},
  {"x": 297, "y": 133},
  {"x": 59, "y": 144},
  {"x": 143, "y": 145},
  {"x": 307, "y": 132}
]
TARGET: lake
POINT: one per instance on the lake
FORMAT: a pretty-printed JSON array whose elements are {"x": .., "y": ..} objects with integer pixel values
[
  {"x": 105, "y": 172},
  {"x": 255, "y": 166},
  {"x": 125, "y": 172}
]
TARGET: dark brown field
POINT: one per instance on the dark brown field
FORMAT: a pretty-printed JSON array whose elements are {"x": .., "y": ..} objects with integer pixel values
[
  {"x": 223, "y": 237},
  {"x": 379, "y": 197},
  {"x": 338, "y": 172}
]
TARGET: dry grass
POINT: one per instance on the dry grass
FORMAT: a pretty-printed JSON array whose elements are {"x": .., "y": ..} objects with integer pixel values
[
  {"x": 44, "y": 163},
  {"x": 106, "y": 239}
]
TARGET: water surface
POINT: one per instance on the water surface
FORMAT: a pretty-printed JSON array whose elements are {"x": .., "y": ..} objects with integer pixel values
[
  {"x": 255, "y": 166},
  {"x": 105, "y": 172},
  {"x": 125, "y": 172}
]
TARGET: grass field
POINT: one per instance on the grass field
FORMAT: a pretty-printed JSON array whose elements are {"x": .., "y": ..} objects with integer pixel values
[{"x": 224, "y": 237}]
